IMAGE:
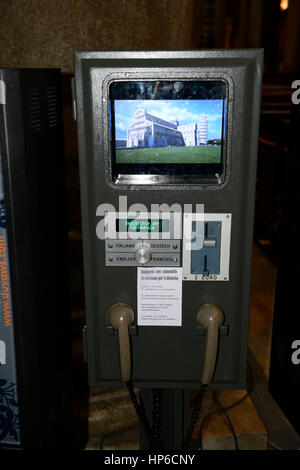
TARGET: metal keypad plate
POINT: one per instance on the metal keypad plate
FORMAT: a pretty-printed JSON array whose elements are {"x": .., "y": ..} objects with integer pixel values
[{"x": 122, "y": 252}]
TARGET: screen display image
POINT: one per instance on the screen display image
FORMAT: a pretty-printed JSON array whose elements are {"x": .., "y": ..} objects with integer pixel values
[
  {"x": 168, "y": 131},
  {"x": 168, "y": 127}
]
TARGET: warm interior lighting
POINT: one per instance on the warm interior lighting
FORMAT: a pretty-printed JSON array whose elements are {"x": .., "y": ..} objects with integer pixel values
[{"x": 284, "y": 4}]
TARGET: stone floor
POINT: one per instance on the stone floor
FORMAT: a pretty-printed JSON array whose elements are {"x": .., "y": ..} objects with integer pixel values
[{"x": 111, "y": 419}]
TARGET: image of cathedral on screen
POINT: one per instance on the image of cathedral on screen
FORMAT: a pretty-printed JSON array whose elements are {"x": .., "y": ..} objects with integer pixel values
[{"x": 151, "y": 131}]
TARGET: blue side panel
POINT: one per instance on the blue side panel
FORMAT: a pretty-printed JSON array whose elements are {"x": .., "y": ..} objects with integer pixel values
[{"x": 9, "y": 411}]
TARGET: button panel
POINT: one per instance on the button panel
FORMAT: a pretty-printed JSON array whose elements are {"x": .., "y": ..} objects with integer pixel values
[{"x": 142, "y": 253}]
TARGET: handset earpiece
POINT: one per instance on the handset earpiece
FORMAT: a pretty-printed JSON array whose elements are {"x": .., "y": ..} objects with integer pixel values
[
  {"x": 211, "y": 317},
  {"x": 120, "y": 316}
]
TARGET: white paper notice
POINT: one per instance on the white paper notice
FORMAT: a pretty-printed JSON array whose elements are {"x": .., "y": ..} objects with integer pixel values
[{"x": 159, "y": 296}]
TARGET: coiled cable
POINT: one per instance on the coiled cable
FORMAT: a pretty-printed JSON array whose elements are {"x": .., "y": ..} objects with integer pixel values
[
  {"x": 157, "y": 394},
  {"x": 195, "y": 416}
]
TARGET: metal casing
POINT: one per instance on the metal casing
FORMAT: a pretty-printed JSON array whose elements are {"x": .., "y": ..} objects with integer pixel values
[
  {"x": 168, "y": 356},
  {"x": 33, "y": 214}
]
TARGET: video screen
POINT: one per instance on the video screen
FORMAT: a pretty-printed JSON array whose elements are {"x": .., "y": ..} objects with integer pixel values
[
  {"x": 168, "y": 131},
  {"x": 168, "y": 125}
]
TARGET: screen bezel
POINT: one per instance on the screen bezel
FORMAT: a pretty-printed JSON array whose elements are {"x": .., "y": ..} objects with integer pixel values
[{"x": 189, "y": 173}]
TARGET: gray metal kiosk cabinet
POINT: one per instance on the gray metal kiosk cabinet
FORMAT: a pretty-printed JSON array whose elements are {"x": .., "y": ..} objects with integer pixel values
[{"x": 226, "y": 85}]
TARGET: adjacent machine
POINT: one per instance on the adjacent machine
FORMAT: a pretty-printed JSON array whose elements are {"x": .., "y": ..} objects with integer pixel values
[
  {"x": 167, "y": 149},
  {"x": 36, "y": 410}
]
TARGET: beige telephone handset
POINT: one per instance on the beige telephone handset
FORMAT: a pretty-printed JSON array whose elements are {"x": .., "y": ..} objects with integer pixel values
[
  {"x": 211, "y": 317},
  {"x": 120, "y": 316}
]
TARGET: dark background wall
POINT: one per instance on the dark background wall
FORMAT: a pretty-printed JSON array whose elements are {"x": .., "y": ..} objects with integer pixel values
[{"x": 44, "y": 33}]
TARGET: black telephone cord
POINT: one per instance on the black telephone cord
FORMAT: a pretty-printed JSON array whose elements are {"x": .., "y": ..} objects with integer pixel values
[
  {"x": 195, "y": 416},
  {"x": 141, "y": 415},
  {"x": 157, "y": 394}
]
